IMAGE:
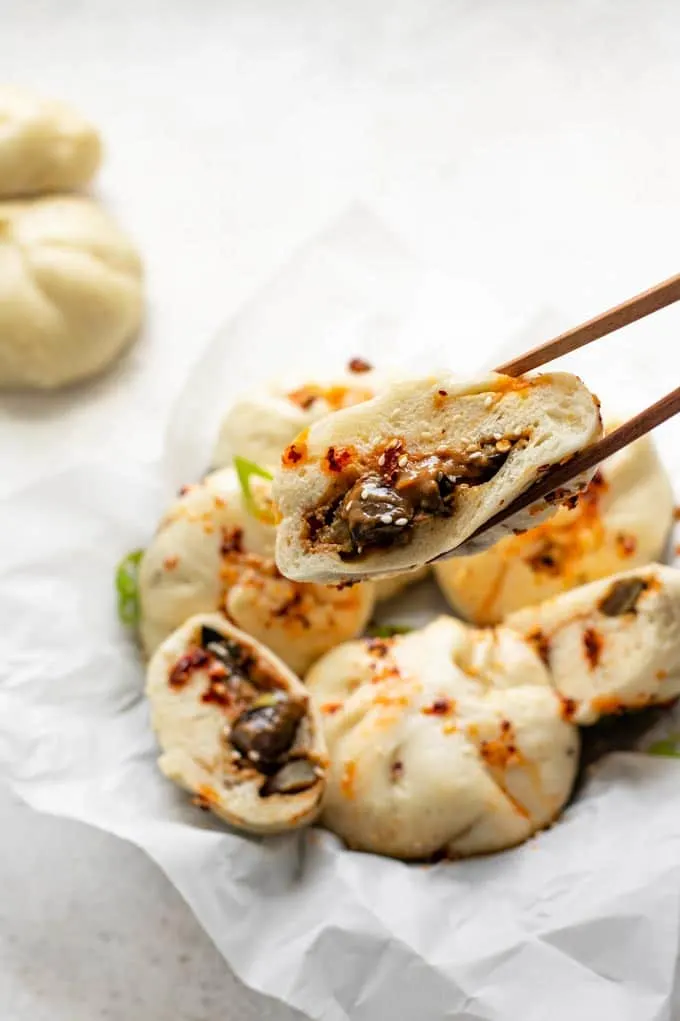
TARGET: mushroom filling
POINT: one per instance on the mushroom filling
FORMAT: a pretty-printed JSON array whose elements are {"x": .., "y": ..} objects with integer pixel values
[
  {"x": 623, "y": 597},
  {"x": 380, "y": 505},
  {"x": 266, "y": 734}
]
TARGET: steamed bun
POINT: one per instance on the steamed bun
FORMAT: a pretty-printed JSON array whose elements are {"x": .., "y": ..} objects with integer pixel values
[
  {"x": 236, "y": 727},
  {"x": 443, "y": 741},
  {"x": 409, "y": 476},
  {"x": 210, "y": 553},
  {"x": 70, "y": 291},
  {"x": 621, "y": 521},
  {"x": 611, "y": 645},
  {"x": 45, "y": 146}
]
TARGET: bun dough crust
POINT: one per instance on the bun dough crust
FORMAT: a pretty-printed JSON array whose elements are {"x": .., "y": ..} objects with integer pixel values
[
  {"x": 210, "y": 554},
  {"x": 622, "y": 521},
  {"x": 45, "y": 146},
  {"x": 445, "y": 740},
  {"x": 611, "y": 645},
  {"x": 260, "y": 424},
  {"x": 70, "y": 291},
  {"x": 194, "y": 719},
  {"x": 549, "y": 417}
]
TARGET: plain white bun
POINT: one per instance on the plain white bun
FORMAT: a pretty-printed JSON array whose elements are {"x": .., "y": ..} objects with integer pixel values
[
  {"x": 621, "y": 521},
  {"x": 45, "y": 146},
  {"x": 443, "y": 741},
  {"x": 611, "y": 645},
  {"x": 209, "y": 553},
  {"x": 193, "y": 732},
  {"x": 554, "y": 413},
  {"x": 71, "y": 294}
]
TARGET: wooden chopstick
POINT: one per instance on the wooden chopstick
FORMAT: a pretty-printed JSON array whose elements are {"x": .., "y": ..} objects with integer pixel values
[
  {"x": 614, "y": 441},
  {"x": 629, "y": 311},
  {"x": 559, "y": 476}
]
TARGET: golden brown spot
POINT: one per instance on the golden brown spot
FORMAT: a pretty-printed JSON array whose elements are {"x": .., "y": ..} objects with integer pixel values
[
  {"x": 347, "y": 781},
  {"x": 331, "y": 707},
  {"x": 661, "y": 675},
  {"x": 625, "y": 544},
  {"x": 232, "y": 541},
  {"x": 440, "y": 707},
  {"x": 170, "y": 563},
  {"x": 568, "y": 708},
  {"x": 593, "y": 643},
  {"x": 205, "y": 797},
  {"x": 541, "y": 644}
]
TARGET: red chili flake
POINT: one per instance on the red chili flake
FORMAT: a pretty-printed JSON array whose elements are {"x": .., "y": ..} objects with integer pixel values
[
  {"x": 304, "y": 397},
  {"x": 592, "y": 645},
  {"x": 443, "y": 393},
  {"x": 388, "y": 461},
  {"x": 440, "y": 707},
  {"x": 626, "y": 544},
  {"x": 337, "y": 459},
  {"x": 541, "y": 644},
  {"x": 195, "y": 659},
  {"x": 293, "y": 454},
  {"x": 183, "y": 490},
  {"x": 378, "y": 646},
  {"x": 359, "y": 365},
  {"x": 170, "y": 563},
  {"x": 569, "y": 707},
  {"x": 396, "y": 771},
  {"x": 232, "y": 541},
  {"x": 506, "y": 726}
]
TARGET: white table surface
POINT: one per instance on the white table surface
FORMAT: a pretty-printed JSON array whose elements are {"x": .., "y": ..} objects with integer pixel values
[{"x": 532, "y": 146}]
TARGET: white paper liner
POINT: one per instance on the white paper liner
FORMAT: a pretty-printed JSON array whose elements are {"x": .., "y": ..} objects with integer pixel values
[{"x": 583, "y": 921}]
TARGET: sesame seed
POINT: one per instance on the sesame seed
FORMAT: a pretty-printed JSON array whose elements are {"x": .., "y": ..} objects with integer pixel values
[
  {"x": 381, "y": 460},
  {"x": 403, "y": 461},
  {"x": 349, "y": 505},
  {"x": 365, "y": 493},
  {"x": 392, "y": 444},
  {"x": 498, "y": 436},
  {"x": 386, "y": 519},
  {"x": 254, "y": 756},
  {"x": 488, "y": 401},
  {"x": 476, "y": 455},
  {"x": 401, "y": 522}
]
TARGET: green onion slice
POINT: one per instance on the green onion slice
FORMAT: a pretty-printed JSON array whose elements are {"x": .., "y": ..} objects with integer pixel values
[{"x": 244, "y": 470}]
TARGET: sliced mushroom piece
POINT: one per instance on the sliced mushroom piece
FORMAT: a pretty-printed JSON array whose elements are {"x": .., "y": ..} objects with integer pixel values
[
  {"x": 297, "y": 775},
  {"x": 264, "y": 733}
]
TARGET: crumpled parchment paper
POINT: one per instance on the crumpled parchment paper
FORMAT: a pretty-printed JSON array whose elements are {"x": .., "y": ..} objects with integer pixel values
[{"x": 583, "y": 921}]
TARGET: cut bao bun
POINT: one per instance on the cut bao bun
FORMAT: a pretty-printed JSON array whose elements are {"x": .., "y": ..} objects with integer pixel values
[
  {"x": 236, "y": 727},
  {"x": 621, "y": 521},
  {"x": 409, "y": 476},
  {"x": 611, "y": 645},
  {"x": 445, "y": 741},
  {"x": 261, "y": 424},
  {"x": 211, "y": 552}
]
